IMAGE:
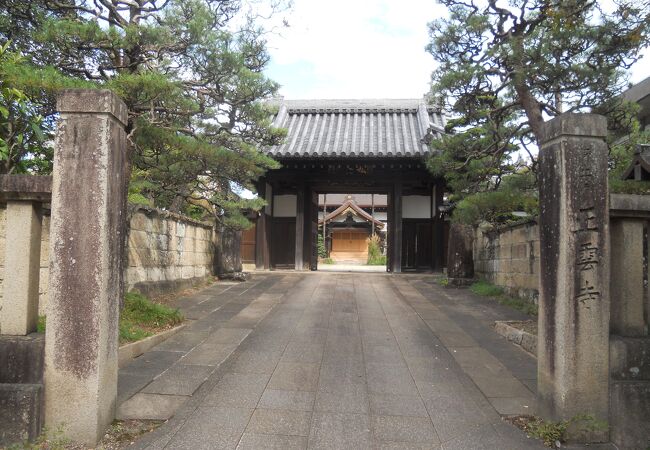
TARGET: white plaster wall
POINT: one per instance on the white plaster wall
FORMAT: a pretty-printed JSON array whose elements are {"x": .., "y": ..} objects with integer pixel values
[
  {"x": 284, "y": 205},
  {"x": 416, "y": 207}
]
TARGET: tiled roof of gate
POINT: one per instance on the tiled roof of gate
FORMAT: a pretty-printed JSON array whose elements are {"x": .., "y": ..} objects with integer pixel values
[{"x": 356, "y": 128}]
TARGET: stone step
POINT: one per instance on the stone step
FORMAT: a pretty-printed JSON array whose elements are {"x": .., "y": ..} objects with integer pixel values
[
  {"x": 21, "y": 388},
  {"x": 21, "y": 412},
  {"x": 21, "y": 358},
  {"x": 629, "y": 358},
  {"x": 629, "y": 414}
]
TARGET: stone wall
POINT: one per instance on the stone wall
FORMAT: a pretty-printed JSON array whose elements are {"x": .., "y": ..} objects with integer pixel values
[
  {"x": 509, "y": 257},
  {"x": 166, "y": 252}
]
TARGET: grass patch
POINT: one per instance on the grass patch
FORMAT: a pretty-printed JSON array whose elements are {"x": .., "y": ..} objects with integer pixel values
[
  {"x": 327, "y": 261},
  {"x": 140, "y": 318},
  {"x": 486, "y": 289}
]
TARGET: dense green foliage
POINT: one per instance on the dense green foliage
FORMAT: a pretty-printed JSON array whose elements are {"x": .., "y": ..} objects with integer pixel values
[
  {"x": 23, "y": 141},
  {"x": 190, "y": 72},
  {"x": 506, "y": 67}
]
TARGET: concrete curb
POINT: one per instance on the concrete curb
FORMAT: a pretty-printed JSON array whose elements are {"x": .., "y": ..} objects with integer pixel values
[
  {"x": 129, "y": 351},
  {"x": 522, "y": 338}
]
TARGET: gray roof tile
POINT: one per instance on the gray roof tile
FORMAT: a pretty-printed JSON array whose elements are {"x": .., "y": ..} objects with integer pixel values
[{"x": 355, "y": 128}]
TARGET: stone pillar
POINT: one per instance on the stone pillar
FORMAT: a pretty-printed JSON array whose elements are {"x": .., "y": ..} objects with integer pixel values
[
  {"x": 628, "y": 293},
  {"x": 573, "y": 341},
  {"x": 86, "y": 246},
  {"x": 22, "y": 265}
]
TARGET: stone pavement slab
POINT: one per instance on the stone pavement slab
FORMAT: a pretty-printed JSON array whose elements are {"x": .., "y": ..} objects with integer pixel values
[
  {"x": 150, "y": 406},
  {"x": 340, "y": 361}
]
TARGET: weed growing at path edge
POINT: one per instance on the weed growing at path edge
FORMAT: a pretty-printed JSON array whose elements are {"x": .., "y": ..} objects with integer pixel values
[{"x": 554, "y": 434}]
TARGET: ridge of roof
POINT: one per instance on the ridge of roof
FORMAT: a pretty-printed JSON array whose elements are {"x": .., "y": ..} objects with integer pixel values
[{"x": 352, "y": 105}]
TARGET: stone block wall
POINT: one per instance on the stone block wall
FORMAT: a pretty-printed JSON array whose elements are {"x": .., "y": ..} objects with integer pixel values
[
  {"x": 509, "y": 257},
  {"x": 166, "y": 252}
]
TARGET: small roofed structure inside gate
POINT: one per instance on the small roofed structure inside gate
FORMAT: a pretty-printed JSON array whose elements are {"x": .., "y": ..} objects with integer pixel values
[
  {"x": 639, "y": 168},
  {"x": 352, "y": 147},
  {"x": 347, "y": 221}
]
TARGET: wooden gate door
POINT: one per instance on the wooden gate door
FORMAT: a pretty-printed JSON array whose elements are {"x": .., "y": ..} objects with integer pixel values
[
  {"x": 283, "y": 243},
  {"x": 349, "y": 245},
  {"x": 248, "y": 245},
  {"x": 416, "y": 244}
]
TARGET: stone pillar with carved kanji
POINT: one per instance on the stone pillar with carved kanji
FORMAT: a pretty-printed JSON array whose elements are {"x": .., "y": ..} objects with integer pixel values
[{"x": 573, "y": 346}]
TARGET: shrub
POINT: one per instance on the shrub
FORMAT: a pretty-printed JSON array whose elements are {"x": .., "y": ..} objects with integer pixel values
[
  {"x": 375, "y": 258},
  {"x": 494, "y": 207},
  {"x": 322, "y": 251},
  {"x": 618, "y": 186},
  {"x": 496, "y": 204}
]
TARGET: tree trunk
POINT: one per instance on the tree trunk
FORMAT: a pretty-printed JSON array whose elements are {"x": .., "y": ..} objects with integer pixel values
[{"x": 531, "y": 107}]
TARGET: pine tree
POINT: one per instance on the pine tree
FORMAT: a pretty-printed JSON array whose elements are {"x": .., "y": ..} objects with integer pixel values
[
  {"x": 506, "y": 67},
  {"x": 190, "y": 72}
]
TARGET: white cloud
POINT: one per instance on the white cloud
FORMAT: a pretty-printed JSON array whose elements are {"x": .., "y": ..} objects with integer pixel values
[
  {"x": 347, "y": 48},
  {"x": 361, "y": 49}
]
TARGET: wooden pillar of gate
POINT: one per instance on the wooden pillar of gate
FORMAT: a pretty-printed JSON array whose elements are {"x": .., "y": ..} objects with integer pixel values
[
  {"x": 396, "y": 226},
  {"x": 300, "y": 228},
  {"x": 262, "y": 259}
]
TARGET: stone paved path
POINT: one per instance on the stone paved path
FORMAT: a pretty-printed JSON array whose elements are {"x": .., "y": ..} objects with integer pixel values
[{"x": 327, "y": 360}]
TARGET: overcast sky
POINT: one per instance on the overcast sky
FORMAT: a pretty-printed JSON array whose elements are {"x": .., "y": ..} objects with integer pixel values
[{"x": 360, "y": 49}]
